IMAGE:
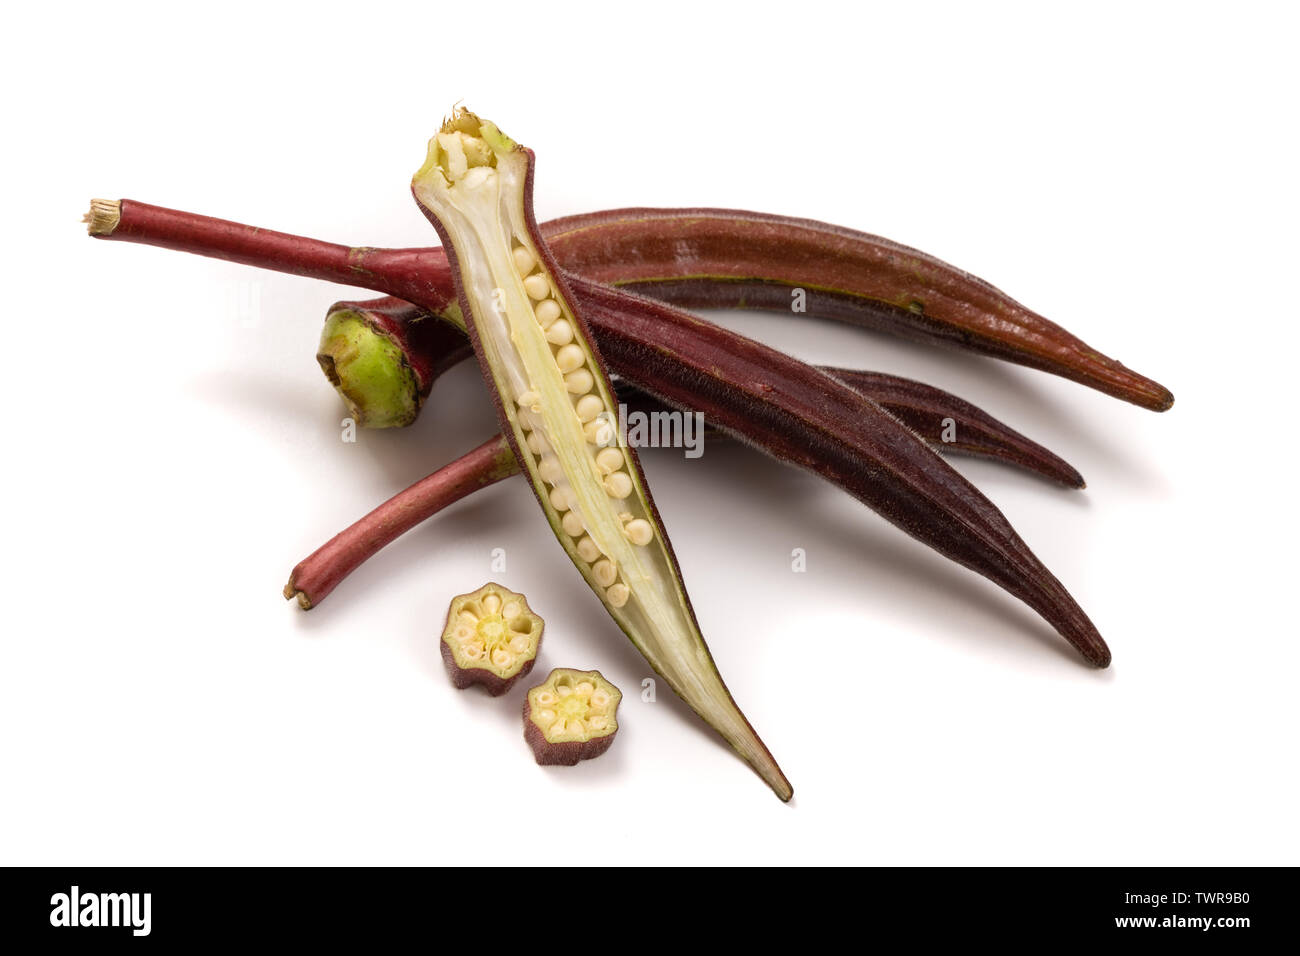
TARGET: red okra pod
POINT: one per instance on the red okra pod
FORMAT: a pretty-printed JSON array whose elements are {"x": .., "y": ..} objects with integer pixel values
[
  {"x": 725, "y": 258},
  {"x": 418, "y": 348},
  {"x": 698, "y": 258}
]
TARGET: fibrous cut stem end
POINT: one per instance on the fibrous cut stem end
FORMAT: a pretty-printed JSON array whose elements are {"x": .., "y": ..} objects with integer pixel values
[{"x": 103, "y": 217}]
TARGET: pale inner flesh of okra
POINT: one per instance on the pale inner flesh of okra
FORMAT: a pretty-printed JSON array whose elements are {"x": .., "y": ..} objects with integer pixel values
[{"x": 562, "y": 414}]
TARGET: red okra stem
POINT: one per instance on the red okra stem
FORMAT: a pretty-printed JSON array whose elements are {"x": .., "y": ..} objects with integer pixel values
[
  {"x": 411, "y": 274},
  {"x": 318, "y": 574},
  {"x": 696, "y": 258},
  {"x": 783, "y": 406}
]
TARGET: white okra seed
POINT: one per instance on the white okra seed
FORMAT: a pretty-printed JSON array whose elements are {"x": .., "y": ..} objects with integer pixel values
[
  {"x": 618, "y": 594},
  {"x": 604, "y": 571},
  {"x": 639, "y": 531},
  {"x": 524, "y": 260},
  {"x": 588, "y": 407},
  {"x": 579, "y": 382},
  {"x": 559, "y": 499},
  {"x": 549, "y": 469},
  {"x": 599, "y": 432},
  {"x": 618, "y": 485},
  {"x": 560, "y": 332},
  {"x": 608, "y": 460},
  {"x": 587, "y": 549},
  {"x": 528, "y": 398},
  {"x": 491, "y": 604},
  {"x": 548, "y": 310},
  {"x": 534, "y": 442},
  {"x": 537, "y": 287},
  {"x": 569, "y": 357},
  {"x": 572, "y": 524}
]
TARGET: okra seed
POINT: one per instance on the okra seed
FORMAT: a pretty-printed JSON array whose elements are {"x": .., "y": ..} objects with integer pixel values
[
  {"x": 548, "y": 310},
  {"x": 572, "y": 524},
  {"x": 549, "y": 469},
  {"x": 569, "y": 357},
  {"x": 579, "y": 382},
  {"x": 618, "y": 594},
  {"x": 563, "y": 690},
  {"x": 585, "y": 688},
  {"x": 562, "y": 499},
  {"x": 534, "y": 442},
  {"x": 528, "y": 399},
  {"x": 618, "y": 485},
  {"x": 588, "y": 407},
  {"x": 547, "y": 715},
  {"x": 599, "y": 698},
  {"x": 473, "y": 651},
  {"x": 639, "y": 531},
  {"x": 524, "y": 260},
  {"x": 598, "y": 432},
  {"x": 502, "y": 658},
  {"x": 560, "y": 332},
  {"x": 587, "y": 550},
  {"x": 537, "y": 287},
  {"x": 491, "y": 604},
  {"x": 511, "y": 610},
  {"x": 608, "y": 460},
  {"x": 604, "y": 571}
]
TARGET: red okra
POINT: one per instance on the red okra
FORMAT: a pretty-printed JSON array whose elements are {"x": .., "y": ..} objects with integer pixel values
[
  {"x": 765, "y": 397},
  {"x": 415, "y": 349},
  {"x": 697, "y": 258}
]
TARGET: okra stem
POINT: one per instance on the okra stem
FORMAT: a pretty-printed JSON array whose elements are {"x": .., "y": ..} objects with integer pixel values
[{"x": 318, "y": 574}]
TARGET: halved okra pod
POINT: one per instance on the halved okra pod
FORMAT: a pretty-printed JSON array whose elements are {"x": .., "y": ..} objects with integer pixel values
[{"x": 556, "y": 407}]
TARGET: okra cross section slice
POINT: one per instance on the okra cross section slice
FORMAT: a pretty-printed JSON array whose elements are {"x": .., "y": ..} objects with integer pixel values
[
  {"x": 557, "y": 409},
  {"x": 491, "y": 638},
  {"x": 571, "y": 716}
]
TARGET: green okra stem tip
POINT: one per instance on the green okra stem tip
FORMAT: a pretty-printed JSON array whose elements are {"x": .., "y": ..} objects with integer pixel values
[{"x": 369, "y": 371}]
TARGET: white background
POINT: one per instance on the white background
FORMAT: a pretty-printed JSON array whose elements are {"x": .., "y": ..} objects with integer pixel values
[{"x": 172, "y": 449}]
